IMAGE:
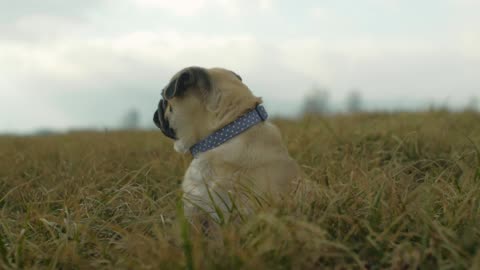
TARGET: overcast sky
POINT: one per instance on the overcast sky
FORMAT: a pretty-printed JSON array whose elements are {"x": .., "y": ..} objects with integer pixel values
[{"x": 66, "y": 63}]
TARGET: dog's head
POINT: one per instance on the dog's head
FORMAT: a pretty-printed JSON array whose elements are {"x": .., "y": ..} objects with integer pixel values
[{"x": 198, "y": 101}]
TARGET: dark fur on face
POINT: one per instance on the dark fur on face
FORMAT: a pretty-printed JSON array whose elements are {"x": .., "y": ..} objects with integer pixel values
[
  {"x": 162, "y": 122},
  {"x": 177, "y": 87},
  {"x": 186, "y": 79}
]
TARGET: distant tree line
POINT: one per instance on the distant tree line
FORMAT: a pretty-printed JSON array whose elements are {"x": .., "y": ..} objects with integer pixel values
[{"x": 317, "y": 102}]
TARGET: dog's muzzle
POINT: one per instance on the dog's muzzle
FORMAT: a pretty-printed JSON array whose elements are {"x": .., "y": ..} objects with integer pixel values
[{"x": 161, "y": 122}]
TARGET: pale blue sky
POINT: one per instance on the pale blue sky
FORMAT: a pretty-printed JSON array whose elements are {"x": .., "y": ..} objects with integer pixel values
[{"x": 85, "y": 63}]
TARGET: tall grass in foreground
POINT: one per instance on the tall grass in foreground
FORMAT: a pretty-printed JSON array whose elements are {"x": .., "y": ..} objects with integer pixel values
[{"x": 381, "y": 191}]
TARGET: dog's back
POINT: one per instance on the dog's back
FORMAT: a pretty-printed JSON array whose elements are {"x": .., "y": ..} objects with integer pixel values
[{"x": 251, "y": 168}]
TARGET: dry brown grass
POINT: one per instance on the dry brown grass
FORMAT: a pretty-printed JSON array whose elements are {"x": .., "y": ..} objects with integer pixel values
[{"x": 381, "y": 191}]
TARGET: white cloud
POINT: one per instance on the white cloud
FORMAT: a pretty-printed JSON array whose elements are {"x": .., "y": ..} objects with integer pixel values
[
  {"x": 265, "y": 4},
  {"x": 71, "y": 67},
  {"x": 383, "y": 67},
  {"x": 75, "y": 59},
  {"x": 177, "y": 7},
  {"x": 469, "y": 41},
  {"x": 188, "y": 8},
  {"x": 467, "y": 3},
  {"x": 370, "y": 63}
]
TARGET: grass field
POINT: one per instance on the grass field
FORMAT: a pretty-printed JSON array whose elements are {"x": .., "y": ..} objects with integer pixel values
[{"x": 381, "y": 191}]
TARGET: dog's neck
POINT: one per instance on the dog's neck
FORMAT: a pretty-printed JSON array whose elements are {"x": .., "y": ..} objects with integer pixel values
[{"x": 231, "y": 130}]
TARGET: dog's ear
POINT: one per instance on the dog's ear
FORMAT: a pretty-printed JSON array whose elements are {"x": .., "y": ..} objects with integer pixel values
[
  {"x": 238, "y": 76},
  {"x": 185, "y": 79}
]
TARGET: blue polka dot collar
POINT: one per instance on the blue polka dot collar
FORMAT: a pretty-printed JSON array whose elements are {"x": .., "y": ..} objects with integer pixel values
[{"x": 219, "y": 137}]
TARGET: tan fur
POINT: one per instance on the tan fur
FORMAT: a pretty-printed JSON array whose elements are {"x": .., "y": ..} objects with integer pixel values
[{"x": 253, "y": 164}]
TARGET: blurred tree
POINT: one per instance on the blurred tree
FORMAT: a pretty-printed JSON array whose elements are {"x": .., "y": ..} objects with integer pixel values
[
  {"x": 131, "y": 119},
  {"x": 44, "y": 132},
  {"x": 316, "y": 101},
  {"x": 354, "y": 101},
  {"x": 473, "y": 104}
]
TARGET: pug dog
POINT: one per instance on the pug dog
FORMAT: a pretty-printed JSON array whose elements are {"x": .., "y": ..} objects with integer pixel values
[{"x": 239, "y": 160}]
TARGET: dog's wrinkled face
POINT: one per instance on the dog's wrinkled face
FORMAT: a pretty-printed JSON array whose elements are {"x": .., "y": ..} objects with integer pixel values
[
  {"x": 161, "y": 121},
  {"x": 185, "y": 80},
  {"x": 178, "y": 86},
  {"x": 198, "y": 101}
]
